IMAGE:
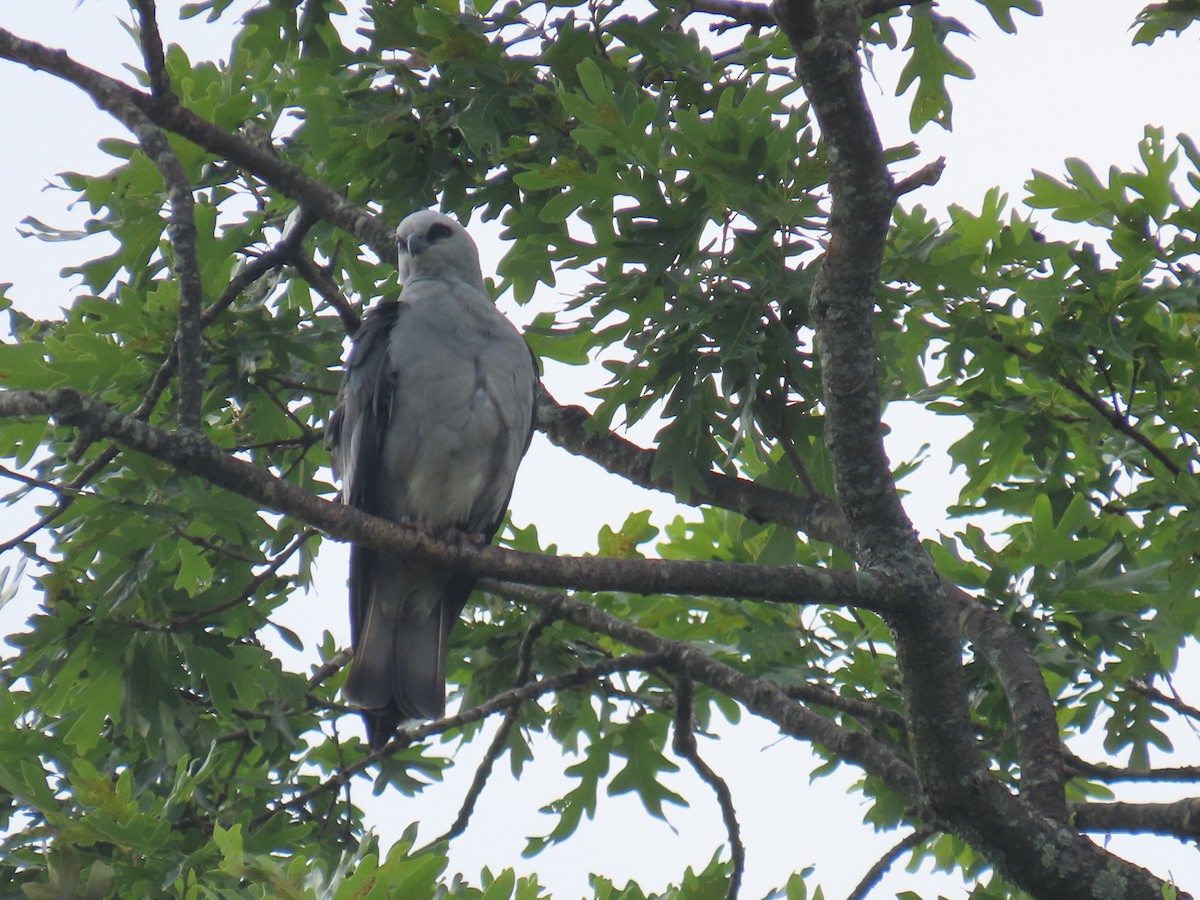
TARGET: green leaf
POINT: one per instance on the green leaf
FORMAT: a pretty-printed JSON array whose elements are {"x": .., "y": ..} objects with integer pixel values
[
  {"x": 643, "y": 769},
  {"x": 930, "y": 63},
  {"x": 229, "y": 843},
  {"x": 1001, "y": 11}
]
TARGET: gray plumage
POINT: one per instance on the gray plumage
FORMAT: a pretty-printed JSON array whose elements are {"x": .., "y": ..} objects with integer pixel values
[{"x": 434, "y": 414}]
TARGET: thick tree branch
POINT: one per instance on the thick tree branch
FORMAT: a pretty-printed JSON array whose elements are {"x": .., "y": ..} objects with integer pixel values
[
  {"x": 825, "y": 38},
  {"x": 761, "y": 697},
  {"x": 1111, "y": 774},
  {"x": 1036, "y": 852},
  {"x": 1180, "y": 819},
  {"x": 789, "y": 584},
  {"x": 568, "y": 427},
  {"x": 1039, "y": 745}
]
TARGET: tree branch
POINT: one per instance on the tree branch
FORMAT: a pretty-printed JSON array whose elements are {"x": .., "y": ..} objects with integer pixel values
[
  {"x": 569, "y": 427},
  {"x": 863, "y": 889},
  {"x": 1112, "y": 416},
  {"x": 926, "y": 176},
  {"x": 185, "y": 264},
  {"x": 1110, "y": 774},
  {"x": 67, "y": 495},
  {"x": 1172, "y": 701},
  {"x": 859, "y": 709},
  {"x": 788, "y": 584},
  {"x": 500, "y": 739},
  {"x": 152, "y": 48},
  {"x": 1032, "y": 850},
  {"x": 1180, "y": 819},
  {"x": 684, "y": 744},
  {"x": 740, "y": 11},
  {"x": 119, "y": 99},
  {"x": 319, "y": 280},
  {"x": 1039, "y": 745},
  {"x": 994, "y": 637},
  {"x": 762, "y": 697},
  {"x": 407, "y": 736}
]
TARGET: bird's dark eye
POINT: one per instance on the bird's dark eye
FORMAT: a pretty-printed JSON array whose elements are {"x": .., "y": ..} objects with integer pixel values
[{"x": 438, "y": 231}]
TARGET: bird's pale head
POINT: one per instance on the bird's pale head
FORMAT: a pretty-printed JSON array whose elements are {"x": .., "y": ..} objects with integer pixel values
[{"x": 435, "y": 246}]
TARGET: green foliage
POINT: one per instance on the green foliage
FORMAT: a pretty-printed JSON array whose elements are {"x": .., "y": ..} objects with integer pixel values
[
  {"x": 152, "y": 742},
  {"x": 1158, "y": 18}
]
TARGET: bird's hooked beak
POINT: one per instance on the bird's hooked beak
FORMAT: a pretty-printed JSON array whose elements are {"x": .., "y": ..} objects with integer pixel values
[{"x": 414, "y": 243}]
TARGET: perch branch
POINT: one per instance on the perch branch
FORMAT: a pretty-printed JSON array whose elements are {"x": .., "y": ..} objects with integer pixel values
[{"x": 788, "y": 584}]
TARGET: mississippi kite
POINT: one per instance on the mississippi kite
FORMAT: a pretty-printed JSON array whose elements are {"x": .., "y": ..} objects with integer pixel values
[{"x": 433, "y": 416}]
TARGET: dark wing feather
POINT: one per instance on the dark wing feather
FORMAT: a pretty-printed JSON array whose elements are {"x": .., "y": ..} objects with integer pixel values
[{"x": 357, "y": 432}]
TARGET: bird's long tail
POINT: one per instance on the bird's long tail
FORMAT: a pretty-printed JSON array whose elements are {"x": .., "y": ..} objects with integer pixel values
[{"x": 399, "y": 668}]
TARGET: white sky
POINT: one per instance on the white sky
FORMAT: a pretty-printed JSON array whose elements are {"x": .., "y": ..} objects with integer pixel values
[{"x": 1069, "y": 85}]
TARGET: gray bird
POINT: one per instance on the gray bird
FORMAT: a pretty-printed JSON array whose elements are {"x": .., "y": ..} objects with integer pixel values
[{"x": 433, "y": 416}]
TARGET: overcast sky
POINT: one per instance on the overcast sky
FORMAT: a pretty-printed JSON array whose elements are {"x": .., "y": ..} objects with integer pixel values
[{"x": 1069, "y": 85}]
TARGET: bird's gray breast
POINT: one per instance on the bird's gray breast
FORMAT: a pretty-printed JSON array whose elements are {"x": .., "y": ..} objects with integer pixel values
[{"x": 460, "y": 414}]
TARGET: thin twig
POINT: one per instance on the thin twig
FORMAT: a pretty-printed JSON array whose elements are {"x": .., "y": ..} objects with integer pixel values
[
  {"x": 243, "y": 596},
  {"x": 181, "y": 226},
  {"x": 877, "y": 871},
  {"x": 255, "y": 583},
  {"x": 1113, "y": 394},
  {"x": 1106, "y": 773},
  {"x": 1110, "y": 415},
  {"x": 1172, "y": 701},
  {"x": 320, "y": 281},
  {"x": 684, "y": 745},
  {"x": 740, "y": 11},
  {"x": 408, "y": 736},
  {"x": 484, "y": 770},
  {"x": 859, "y": 709},
  {"x": 32, "y": 481},
  {"x": 336, "y": 662},
  {"x": 67, "y": 496},
  {"x": 280, "y": 254},
  {"x": 152, "y": 49},
  {"x": 926, "y": 176}
]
